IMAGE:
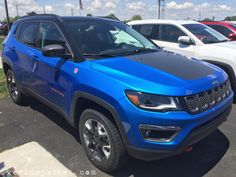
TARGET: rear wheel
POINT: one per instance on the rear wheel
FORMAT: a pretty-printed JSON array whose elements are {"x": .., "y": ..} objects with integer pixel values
[
  {"x": 13, "y": 88},
  {"x": 101, "y": 141}
]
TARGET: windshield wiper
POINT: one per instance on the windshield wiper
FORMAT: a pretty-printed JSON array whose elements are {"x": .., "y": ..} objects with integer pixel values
[
  {"x": 93, "y": 55},
  {"x": 142, "y": 50},
  {"x": 104, "y": 55}
]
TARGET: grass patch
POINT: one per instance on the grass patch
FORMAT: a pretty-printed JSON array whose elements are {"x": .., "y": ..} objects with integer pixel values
[
  {"x": 3, "y": 85},
  {"x": 1, "y": 40}
]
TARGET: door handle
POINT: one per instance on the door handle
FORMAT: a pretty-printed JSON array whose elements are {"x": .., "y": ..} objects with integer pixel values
[
  {"x": 35, "y": 57},
  {"x": 13, "y": 48}
]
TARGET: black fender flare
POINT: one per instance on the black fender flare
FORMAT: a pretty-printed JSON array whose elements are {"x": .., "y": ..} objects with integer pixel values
[
  {"x": 6, "y": 62},
  {"x": 228, "y": 69},
  {"x": 102, "y": 103}
]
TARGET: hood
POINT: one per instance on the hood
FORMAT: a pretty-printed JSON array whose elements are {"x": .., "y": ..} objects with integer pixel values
[
  {"x": 229, "y": 46},
  {"x": 161, "y": 73}
]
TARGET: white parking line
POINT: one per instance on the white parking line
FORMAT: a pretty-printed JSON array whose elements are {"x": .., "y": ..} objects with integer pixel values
[{"x": 31, "y": 159}]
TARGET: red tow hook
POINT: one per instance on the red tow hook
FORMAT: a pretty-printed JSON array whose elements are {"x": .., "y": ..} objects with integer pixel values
[{"x": 189, "y": 149}]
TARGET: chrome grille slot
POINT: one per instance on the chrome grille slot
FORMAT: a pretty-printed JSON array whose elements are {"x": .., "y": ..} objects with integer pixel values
[
  {"x": 217, "y": 95},
  {"x": 192, "y": 104},
  {"x": 205, "y": 100},
  {"x": 211, "y": 97}
]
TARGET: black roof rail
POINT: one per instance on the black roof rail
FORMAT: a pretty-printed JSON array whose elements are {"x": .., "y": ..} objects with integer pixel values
[
  {"x": 39, "y": 15},
  {"x": 107, "y": 17}
]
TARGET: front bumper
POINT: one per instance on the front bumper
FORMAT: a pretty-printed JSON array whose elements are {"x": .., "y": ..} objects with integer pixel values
[{"x": 197, "y": 134}]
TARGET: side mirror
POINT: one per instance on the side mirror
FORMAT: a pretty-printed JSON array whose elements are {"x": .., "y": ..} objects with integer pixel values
[
  {"x": 185, "y": 40},
  {"x": 232, "y": 36},
  {"x": 54, "y": 50}
]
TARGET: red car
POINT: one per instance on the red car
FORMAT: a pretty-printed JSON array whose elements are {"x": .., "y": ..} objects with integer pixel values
[{"x": 228, "y": 29}]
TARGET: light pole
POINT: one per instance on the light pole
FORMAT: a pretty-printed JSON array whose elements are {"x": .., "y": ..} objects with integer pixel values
[
  {"x": 159, "y": 9},
  {"x": 7, "y": 15}
]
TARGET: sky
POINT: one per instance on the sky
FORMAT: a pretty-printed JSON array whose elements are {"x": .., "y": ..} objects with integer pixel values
[{"x": 125, "y": 9}]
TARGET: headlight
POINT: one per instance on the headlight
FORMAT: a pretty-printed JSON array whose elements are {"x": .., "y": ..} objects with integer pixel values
[{"x": 153, "y": 102}]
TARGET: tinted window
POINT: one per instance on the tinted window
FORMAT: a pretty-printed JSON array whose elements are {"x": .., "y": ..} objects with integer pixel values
[
  {"x": 49, "y": 34},
  {"x": 149, "y": 31},
  {"x": 136, "y": 27},
  {"x": 206, "y": 34},
  {"x": 146, "y": 30},
  {"x": 170, "y": 33},
  {"x": 28, "y": 33},
  {"x": 221, "y": 29}
]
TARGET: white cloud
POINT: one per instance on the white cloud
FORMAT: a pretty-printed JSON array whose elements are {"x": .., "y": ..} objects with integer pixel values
[
  {"x": 136, "y": 5},
  {"x": 174, "y": 5},
  {"x": 223, "y": 7},
  {"x": 48, "y": 8},
  {"x": 204, "y": 5},
  {"x": 110, "y": 5}
]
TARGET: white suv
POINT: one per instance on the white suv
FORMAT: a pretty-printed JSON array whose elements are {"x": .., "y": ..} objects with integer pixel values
[{"x": 191, "y": 39}]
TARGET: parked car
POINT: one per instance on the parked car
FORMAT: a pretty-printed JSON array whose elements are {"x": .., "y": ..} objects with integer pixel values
[
  {"x": 228, "y": 29},
  {"x": 4, "y": 28},
  {"x": 192, "y": 39},
  {"x": 122, "y": 94}
]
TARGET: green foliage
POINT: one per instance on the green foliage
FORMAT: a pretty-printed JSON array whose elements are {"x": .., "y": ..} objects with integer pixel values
[
  {"x": 89, "y": 15},
  {"x": 3, "y": 85},
  {"x": 207, "y": 20},
  {"x": 232, "y": 18},
  {"x": 1, "y": 40},
  {"x": 135, "y": 17},
  {"x": 12, "y": 19}
]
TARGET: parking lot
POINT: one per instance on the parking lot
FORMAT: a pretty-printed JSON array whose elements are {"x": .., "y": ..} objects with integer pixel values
[{"x": 214, "y": 156}]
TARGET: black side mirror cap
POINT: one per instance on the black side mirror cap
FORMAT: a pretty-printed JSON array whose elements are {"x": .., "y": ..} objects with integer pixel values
[{"x": 54, "y": 50}]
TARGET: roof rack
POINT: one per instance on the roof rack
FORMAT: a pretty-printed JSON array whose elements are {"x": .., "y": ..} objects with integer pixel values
[
  {"x": 107, "y": 17},
  {"x": 38, "y": 15}
]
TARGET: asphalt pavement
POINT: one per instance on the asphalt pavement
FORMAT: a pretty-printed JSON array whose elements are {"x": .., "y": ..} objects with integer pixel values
[{"x": 215, "y": 156}]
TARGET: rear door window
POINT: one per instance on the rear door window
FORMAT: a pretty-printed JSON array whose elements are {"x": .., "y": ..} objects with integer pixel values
[
  {"x": 28, "y": 33},
  {"x": 170, "y": 33},
  {"x": 150, "y": 31}
]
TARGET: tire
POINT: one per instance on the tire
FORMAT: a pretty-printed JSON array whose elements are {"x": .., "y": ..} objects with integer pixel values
[
  {"x": 95, "y": 144},
  {"x": 13, "y": 88}
]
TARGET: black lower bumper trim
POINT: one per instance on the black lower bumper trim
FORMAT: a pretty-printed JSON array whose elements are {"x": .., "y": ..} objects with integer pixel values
[{"x": 195, "y": 136}]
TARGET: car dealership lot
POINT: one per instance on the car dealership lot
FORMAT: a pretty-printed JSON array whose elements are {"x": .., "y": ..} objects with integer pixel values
[{"x": 214, "y": 156}]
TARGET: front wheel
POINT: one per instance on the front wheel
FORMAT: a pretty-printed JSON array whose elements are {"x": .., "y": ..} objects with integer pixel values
[{"x": 101, "y": 141}]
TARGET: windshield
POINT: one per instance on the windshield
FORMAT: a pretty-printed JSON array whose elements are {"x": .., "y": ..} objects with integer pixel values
[
  {"x": 206, "y": 34},
  {"x": 100, "y": 39}
]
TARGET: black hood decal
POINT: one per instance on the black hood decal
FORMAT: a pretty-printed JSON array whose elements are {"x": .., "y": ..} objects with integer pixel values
[{"x": 174, "y": 64}]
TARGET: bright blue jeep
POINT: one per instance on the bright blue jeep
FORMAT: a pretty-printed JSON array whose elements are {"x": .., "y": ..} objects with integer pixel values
[{"x": 123, "y": 93}]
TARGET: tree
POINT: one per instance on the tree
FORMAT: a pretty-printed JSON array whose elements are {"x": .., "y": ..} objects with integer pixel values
[
  {"x": 207, "y": 20},
  {"x": 17, "y": 17},
  {"x": 136, "y": 17},
  {"x": 12, "y": 19},
  {"x": 232, "y": 18},
  {"x": 89, "y": 15},
  {"x": 31, "y": 13}
]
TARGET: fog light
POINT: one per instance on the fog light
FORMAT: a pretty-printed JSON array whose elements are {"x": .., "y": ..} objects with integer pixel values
[{"x": 159, "y": 133}]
